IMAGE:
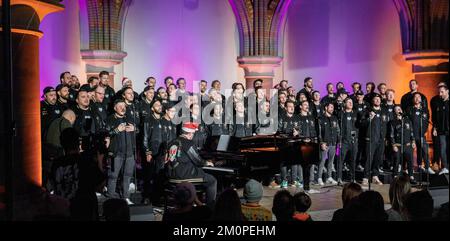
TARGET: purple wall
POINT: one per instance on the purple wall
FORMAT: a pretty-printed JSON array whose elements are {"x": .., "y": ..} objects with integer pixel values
[
  {"x": 195, "y": 39},
  {"x": 60, "y": 45},
  {"x": 344, "y": 40}
]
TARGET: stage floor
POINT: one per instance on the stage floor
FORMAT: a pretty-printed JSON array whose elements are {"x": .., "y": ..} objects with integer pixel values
[{"x": 323, "y": 204}]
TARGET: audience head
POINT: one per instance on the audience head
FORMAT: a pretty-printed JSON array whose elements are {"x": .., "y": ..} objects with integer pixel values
[
  {"x": 228, "y": 207},
  {"x": 302, "y": 202},
  {"x": 419, "y": 206},
  {"x": 253, "y": 191},
  {"x": 368, "y": 206},
  {"x": 184, "y": 194},
  {"x": 399, "y": 188},
  {"x": 350, "y": 191},
  {"x": 283, "y": 205},
  {"x": 116, "y": 210}
]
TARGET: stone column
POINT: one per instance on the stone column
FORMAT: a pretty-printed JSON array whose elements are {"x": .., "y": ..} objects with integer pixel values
[
  {"x": 26, "y": 16},
  {"x": 261, "y": 24}
]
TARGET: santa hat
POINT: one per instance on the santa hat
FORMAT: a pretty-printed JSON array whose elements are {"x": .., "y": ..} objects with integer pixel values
[{"x": 190, "y": 127}]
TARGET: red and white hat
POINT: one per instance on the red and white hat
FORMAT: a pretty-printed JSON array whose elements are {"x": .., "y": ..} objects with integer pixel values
[{"x": 190, "y": 127}]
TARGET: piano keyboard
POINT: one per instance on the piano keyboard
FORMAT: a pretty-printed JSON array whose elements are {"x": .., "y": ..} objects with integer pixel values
[{"x": 219, "y": 169}]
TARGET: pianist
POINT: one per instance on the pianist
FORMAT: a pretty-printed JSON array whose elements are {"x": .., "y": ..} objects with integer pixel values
[{"x": 183, "y": 162}]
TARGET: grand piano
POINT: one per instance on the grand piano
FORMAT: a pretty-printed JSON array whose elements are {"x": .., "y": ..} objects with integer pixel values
[{"x": 257, "y": 157}]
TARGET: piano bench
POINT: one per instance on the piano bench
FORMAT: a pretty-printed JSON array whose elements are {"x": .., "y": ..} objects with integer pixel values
[{"x": 172, "y": 183}]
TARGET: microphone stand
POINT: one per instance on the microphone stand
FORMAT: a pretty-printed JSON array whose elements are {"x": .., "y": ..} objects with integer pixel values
[
  {"x": 134, "y": 148},
  {"x": 340, "y": 146},
  {"x": 370, "y": 152},
  {"x": 402, "y": 147}
]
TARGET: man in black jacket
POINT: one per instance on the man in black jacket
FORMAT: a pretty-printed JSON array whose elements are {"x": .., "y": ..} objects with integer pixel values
[
  {"x": 307, "y": 90},
  {"x": 407, "y": 99},
  {"x": 109, "y": 92},
  {"x": 374, "y": 122},
  {"x": 330, "y": 97},
  {"x": 308, "y": 131},
  {"x": 434, "y": 104},
  {"x": 420, "y": 120},
  {"x": 289, "y": 124},
  {"x": 122, "y": 149},
  {"x": 84, "y": 123},
  {"x": 401, "y": 138},
  {"x": 241, "y": 126},
  {"x": 98, "y": 108},
  {"x": 349, "y": 145},
  {"x": 441, "y": 126},
  {"x": 152, "y": 148},
  {"x": 50, "y": 110},
  {"x": 184, "y": 162},
  {"x": 329, "y": 134}
]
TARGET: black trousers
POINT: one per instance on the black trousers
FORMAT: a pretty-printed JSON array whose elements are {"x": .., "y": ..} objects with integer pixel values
[
  {"x": 422, "y": 152},
  {"x": 306, "y": 174},
  {"x": 348, "y": 153},
  {"x": 211, "y": 189},
  {"x": 374, "y": 155},
  {"x": 149, "y": 174},
  {"x": 124, "y": 165},
  {"x": 407, "y": 158},
  {"x": 436, "y": 149}
]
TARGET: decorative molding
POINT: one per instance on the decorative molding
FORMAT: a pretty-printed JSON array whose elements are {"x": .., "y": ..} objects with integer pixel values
[
  {"x": 42, "y": 8},
  {"x": 38, "y": 34},
  {"x": 103, "y": 58}
]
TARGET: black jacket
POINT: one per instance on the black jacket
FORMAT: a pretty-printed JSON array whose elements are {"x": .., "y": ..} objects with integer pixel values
[
  {"x": 360, "y": 108},
  {"x": 441, "y": 118},
  {"x": 184, "y": 162},
  {"x": 241, "y": 127},
  {"x": 376, "y": 128},
  {"x": 396, "y": 130},
  {"x": 109, "y": 95},
  {"x": 121, "y": 142},
  {"x": 100, "y": 115},
  {"x": 350, "y": 124},
  {"x": 316, "y": 110},
  {"x": 84, "y": 122},
  {"x": 48, "y": 114},
  {"x": 329, "y": 130},
  {"x": 132, "y": 115},
  {"x": 169, "y": 132},
  {"x": 407, "y": 101},
  {"x": 286, "y": 124},
  {"x": 153, "y": 136},
  {"x": 328, "y": 99},
  {"x": 308, "y": 127},
  {"x": 390, "y": 110},
  {"x": 419, "y": 118},
  {"x": 217, "y": 129}
]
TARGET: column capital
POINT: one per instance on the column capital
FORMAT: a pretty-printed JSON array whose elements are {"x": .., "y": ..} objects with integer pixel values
[
  {"x": 103, "y": 58},
  {"x": 42, "y": 7}
]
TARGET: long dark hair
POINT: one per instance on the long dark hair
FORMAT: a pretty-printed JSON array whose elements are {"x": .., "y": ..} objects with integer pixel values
[{"x": 228, "y": 207}]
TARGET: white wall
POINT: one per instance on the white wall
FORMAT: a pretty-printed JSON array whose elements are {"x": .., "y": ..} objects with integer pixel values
[{"x": 344, "y": 40}]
